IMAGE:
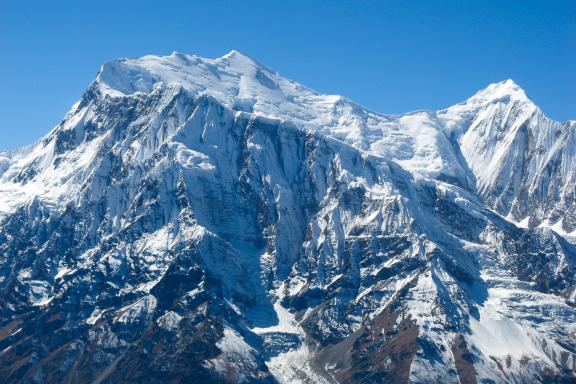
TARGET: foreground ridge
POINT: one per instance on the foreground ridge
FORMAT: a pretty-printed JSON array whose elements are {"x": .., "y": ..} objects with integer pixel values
[{"x": 207, "y": 220}]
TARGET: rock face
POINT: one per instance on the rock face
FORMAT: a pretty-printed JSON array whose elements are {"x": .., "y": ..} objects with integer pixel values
[{"x": 206, "y": 220}]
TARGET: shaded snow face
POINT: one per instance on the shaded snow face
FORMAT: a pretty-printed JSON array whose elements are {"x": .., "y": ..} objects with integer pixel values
[{"x": 207, "y": 220}]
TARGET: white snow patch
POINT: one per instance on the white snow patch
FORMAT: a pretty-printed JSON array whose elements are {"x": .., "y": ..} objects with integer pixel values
[
  {"x": 236, "y": 355},
  {"x": 135, "y": 311},
  {"x": 64, "y": 272},
  {"x": 95, "y": 316},
  {"x": 293, "y": 366},
  {"x": 169, "y": 321},
  {"x": 497, "y": 334}
]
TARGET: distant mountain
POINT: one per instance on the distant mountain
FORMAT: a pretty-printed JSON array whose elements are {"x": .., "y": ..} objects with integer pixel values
[{"x": 207, "y": 220}]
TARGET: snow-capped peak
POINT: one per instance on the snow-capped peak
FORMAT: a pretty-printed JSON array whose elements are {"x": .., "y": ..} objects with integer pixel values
[
  {"x": 417, "y": 141},
  {"x": 237, "y": 55},
  {"x": 235, "y": 79},
  {"x": 192, "y": 221},
  {"x": 501, "y": 91},
  {"x": 221, "y": 76},
  {"x": 504, "y": 94}
]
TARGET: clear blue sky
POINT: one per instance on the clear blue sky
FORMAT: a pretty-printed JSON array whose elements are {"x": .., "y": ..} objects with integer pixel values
[{"x": 391, "y": 56}]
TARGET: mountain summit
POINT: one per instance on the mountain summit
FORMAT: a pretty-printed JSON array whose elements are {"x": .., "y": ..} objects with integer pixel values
[{"x": 207, "y": 220}]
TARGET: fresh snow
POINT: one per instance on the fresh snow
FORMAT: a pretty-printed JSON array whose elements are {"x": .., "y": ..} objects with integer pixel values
[
  {"x": 293, "y": 366},
  {"x": 373, "y": 176}
]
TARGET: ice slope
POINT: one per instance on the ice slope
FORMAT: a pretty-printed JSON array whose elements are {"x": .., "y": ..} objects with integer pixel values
[
  {"x": 208, "y": 220},
  {"x": 506, "y": 146},
  {"x": 241, "y": 83},
  {"x": 522, "y": 161}
]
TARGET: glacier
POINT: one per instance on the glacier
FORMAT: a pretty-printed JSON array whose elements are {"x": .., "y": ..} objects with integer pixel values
[{"x": 207, "y": 220}]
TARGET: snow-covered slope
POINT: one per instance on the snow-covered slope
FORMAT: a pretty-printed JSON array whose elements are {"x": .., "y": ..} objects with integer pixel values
[
  {"x": 206, "y": 220},
  {"x": 241, "y": 83},
  {"x": 524, "y": 163}
]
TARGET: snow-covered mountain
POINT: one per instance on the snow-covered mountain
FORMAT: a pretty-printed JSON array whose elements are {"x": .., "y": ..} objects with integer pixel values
[{"x": 207, "y": 220}]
